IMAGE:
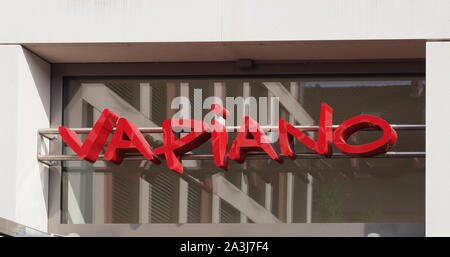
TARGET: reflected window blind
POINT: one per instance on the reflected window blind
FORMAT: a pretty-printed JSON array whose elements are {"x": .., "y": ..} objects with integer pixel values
[
  {"x": 194, "y": 199},
  {"x": 228, "y": 214},
  {"x": 125, "y": 205},
  {"x": 164, "y": 199}
]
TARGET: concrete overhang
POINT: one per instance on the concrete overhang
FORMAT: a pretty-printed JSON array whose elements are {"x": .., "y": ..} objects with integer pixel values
[{"x": 339, "y": 50}]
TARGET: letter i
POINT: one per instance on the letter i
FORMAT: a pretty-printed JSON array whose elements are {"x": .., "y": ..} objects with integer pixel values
[{"x": 219, "y": 137}]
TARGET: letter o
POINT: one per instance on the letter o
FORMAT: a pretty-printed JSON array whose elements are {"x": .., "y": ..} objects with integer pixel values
[{"x": 350, "y": 126}]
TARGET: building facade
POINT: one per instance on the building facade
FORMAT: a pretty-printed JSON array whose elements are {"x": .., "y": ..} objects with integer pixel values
[{"x": 64, "y": 62}]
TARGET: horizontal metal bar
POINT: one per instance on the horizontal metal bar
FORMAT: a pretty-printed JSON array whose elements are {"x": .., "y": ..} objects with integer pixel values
[
  {"x": 48, "y": 163},
  {"x": 49, "y": 131},
  {"x": 46, "y": 158},
  {"x": 49, "y": 137}
]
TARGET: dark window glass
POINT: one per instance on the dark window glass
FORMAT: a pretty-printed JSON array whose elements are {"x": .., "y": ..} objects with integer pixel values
[{"x": 260, "y": 191}]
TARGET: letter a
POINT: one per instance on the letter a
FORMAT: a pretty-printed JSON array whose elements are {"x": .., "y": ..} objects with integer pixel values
[
  {"x": 251, "y": 138},
  {"x": 128, "y": 138}
]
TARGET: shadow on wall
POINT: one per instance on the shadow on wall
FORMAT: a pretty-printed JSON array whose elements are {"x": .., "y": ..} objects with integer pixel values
[
  {"x": 40, "y": 78},
  {"x": 35, "y": 113}
]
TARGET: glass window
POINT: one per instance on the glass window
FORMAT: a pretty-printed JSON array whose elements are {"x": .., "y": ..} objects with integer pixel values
[{"x": 366, "y": 190}]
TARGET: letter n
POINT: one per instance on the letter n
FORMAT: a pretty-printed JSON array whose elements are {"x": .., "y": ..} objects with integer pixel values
[{"x": 324, "y": 139}]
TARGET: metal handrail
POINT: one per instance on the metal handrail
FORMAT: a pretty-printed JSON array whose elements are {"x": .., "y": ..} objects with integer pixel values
[
  {"x": 53, "y": 131},
  {"x": 49, "y": 159},
  {"x": 255, "y": 155}
]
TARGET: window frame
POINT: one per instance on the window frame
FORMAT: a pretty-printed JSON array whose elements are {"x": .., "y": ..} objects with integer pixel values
[{"x": 64, "y": 71}]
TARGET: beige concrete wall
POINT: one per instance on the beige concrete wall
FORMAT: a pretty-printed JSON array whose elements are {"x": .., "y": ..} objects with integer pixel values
[
  {"x": 86, "y": 21},
  {"x": 438, "y": 139},
  {"x": 24, "y": 107}
]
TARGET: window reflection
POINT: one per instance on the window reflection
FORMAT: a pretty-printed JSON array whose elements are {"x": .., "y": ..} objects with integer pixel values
[{"x": 259, "y": 191}]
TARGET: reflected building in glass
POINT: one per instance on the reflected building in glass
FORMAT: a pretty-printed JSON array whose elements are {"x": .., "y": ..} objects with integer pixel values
[{"x": 319, "y": 190}]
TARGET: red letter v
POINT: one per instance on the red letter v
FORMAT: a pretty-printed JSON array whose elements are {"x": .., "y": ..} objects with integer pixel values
[{"x": 96, "y": 140}]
